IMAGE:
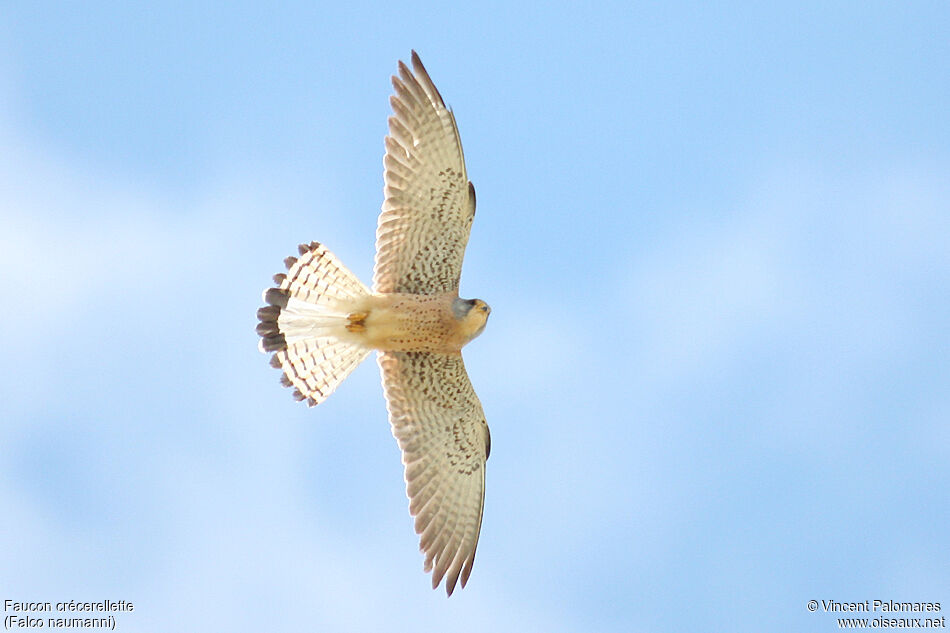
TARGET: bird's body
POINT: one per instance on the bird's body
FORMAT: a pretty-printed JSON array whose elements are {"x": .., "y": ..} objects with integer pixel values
[
  {"x": 321, "y": 322},
  {"x": 397, "y": 322},
  {"x": 389, "y": 322}
]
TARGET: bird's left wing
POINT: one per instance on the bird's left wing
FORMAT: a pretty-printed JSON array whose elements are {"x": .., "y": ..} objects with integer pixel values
[{"x": 440, "y": 426}]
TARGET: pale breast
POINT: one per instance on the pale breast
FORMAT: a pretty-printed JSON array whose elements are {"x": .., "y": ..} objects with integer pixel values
[{"x": 411, "y": 323}]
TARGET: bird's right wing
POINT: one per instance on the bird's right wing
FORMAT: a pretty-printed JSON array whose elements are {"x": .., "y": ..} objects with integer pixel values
[{"x": 429, "y": 203}]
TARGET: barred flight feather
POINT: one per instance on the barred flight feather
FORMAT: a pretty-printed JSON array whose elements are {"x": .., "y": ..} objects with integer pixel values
[{"x": 301, "y": 319}]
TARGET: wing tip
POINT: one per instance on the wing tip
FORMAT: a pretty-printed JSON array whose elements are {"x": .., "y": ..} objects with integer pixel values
[
  {"x": 417, "y": 65},
  {"x": 420, "y": 75}
]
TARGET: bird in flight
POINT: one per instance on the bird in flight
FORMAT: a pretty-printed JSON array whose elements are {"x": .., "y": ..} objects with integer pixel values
[{"x": 320, "y": 322}]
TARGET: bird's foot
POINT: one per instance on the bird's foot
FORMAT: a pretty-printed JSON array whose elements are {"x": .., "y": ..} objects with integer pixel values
[{"x": 357, "y": 321}]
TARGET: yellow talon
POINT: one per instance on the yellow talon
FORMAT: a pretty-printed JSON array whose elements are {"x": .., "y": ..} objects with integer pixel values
[{"x": 357, "y": 317}]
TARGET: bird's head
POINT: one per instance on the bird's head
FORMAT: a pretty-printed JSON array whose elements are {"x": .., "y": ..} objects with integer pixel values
[{"x": 473, "y": 315}]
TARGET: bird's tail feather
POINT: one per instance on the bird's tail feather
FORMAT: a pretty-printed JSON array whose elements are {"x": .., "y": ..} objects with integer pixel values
[{"x": 304, "y": 323}]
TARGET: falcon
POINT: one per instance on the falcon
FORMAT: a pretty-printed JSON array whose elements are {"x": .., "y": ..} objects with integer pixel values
[{"x": 320, "y": 322}]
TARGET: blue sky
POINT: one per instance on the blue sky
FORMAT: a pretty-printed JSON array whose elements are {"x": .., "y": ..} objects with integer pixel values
[{"x": 716, "y": 242}]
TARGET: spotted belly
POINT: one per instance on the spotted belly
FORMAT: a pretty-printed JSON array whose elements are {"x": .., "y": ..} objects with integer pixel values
[{"x": 405, "y": 323}]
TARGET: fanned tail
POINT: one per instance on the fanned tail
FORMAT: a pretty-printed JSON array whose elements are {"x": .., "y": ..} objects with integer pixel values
[{"x": 304, "y": 323}]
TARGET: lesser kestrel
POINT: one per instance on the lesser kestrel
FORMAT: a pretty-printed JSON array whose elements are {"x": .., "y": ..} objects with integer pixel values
[{"x": 321, "y": 322}]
